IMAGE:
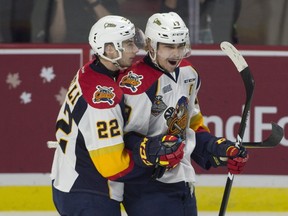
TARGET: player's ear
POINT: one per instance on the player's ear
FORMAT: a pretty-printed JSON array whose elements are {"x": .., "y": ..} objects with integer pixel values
[
  {"x": 149, "y": 47},
  {"x": 109, "y": 50}
]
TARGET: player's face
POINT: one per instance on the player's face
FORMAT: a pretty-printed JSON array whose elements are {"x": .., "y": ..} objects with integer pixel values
[
  {"x": 170, "y": 55},
  {"x": 128, "y": 54}
]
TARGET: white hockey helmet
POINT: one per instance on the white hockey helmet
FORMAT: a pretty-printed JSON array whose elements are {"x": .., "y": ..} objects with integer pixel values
[
  {"x": 167, "y": 28},
  {"x": 110, "y": 29}
]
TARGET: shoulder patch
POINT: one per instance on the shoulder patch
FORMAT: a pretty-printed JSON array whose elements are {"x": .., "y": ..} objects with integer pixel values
[
  {"x": 131, "y": 81},
  {"x": 103, "y": 94},
  {"x": 158, "y": 105}
]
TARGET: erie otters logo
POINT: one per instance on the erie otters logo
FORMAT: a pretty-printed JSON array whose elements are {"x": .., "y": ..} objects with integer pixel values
[
  {"x": 131, "y": 81},
  {"x": 177, "y": 118},
  {"x": 103, "y": 94}
]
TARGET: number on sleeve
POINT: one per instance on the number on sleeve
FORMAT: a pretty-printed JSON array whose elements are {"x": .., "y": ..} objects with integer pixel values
[{"x": 108, "y": 129}]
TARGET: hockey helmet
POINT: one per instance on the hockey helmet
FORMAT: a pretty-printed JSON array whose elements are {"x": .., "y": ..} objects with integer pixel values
[
  {"x": 110, "y": 29},
  {"x": 167, "y": 28}
]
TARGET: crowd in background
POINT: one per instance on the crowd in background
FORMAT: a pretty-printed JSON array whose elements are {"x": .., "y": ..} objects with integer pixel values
[{"x": 260, "y": 22}]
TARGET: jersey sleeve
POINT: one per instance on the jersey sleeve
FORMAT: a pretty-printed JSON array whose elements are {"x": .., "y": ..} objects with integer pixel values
[
  {"x": 103, "y": 136},
  {"x": 197, "y": 120},
  {"x": 108, "y": 152},
  {"x": 200, "y": 154}
]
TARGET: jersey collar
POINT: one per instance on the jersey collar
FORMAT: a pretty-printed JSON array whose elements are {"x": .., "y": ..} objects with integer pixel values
[{"x": 98, "y": 67}]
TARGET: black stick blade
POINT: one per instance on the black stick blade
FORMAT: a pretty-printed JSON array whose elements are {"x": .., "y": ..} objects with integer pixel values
[{"x": 273, "y": 140}]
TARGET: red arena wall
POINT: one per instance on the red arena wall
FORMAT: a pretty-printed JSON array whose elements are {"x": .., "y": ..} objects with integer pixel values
[{"x": 35, "y": 77}]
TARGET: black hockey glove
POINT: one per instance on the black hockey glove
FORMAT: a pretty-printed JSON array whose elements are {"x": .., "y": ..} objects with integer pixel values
[
  {"x": 166, "y": 151},
  {"x": 225, "y": 153},
  {"x": 220, "y": 147}
]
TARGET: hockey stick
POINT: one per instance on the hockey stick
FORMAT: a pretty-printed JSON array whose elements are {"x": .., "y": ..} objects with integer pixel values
[
  {"x": 274, "y": 139},
  {"x": 52, "y": 144},
  {"x": 248, "y": 80}
]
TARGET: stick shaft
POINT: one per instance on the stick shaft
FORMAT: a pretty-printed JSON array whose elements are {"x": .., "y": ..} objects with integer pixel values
[{"x": 249, "y": 83}]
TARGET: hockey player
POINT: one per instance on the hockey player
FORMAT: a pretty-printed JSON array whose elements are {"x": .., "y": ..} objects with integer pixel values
[
  {"x": 161, "y": 98},
  {"x": 89, "y": 130}
]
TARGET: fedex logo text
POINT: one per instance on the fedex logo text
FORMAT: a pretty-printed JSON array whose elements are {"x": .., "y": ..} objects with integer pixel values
[{"x": 258, "y": 123}]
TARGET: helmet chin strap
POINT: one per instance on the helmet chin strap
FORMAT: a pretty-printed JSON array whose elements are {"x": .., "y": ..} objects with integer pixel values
[
  {"x": 153, "y": 58},
  {"x": 116, "y": 63},
  {"x": 115, "y": 60},
  {"x": 118, "y": 66},
  {"x": 156, "y": 64}
]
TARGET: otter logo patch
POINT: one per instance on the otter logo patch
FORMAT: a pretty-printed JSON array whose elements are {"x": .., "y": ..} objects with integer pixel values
[
  {"x": 103, "y": 94},
  {"x": 131, "y": 81}
]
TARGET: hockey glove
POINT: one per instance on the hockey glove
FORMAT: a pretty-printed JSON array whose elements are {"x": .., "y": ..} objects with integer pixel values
[
  {"x": 164, "y": 150},
  {"x": 220, "y": 147},
  {"x": 236, "y": 165},
  {"x": 225, "y": 153}
]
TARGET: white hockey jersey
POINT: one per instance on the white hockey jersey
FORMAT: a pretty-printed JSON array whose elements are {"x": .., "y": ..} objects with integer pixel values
[
  {"x": 160, "y": 103},
  {"x": 89, "y": 129}
]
